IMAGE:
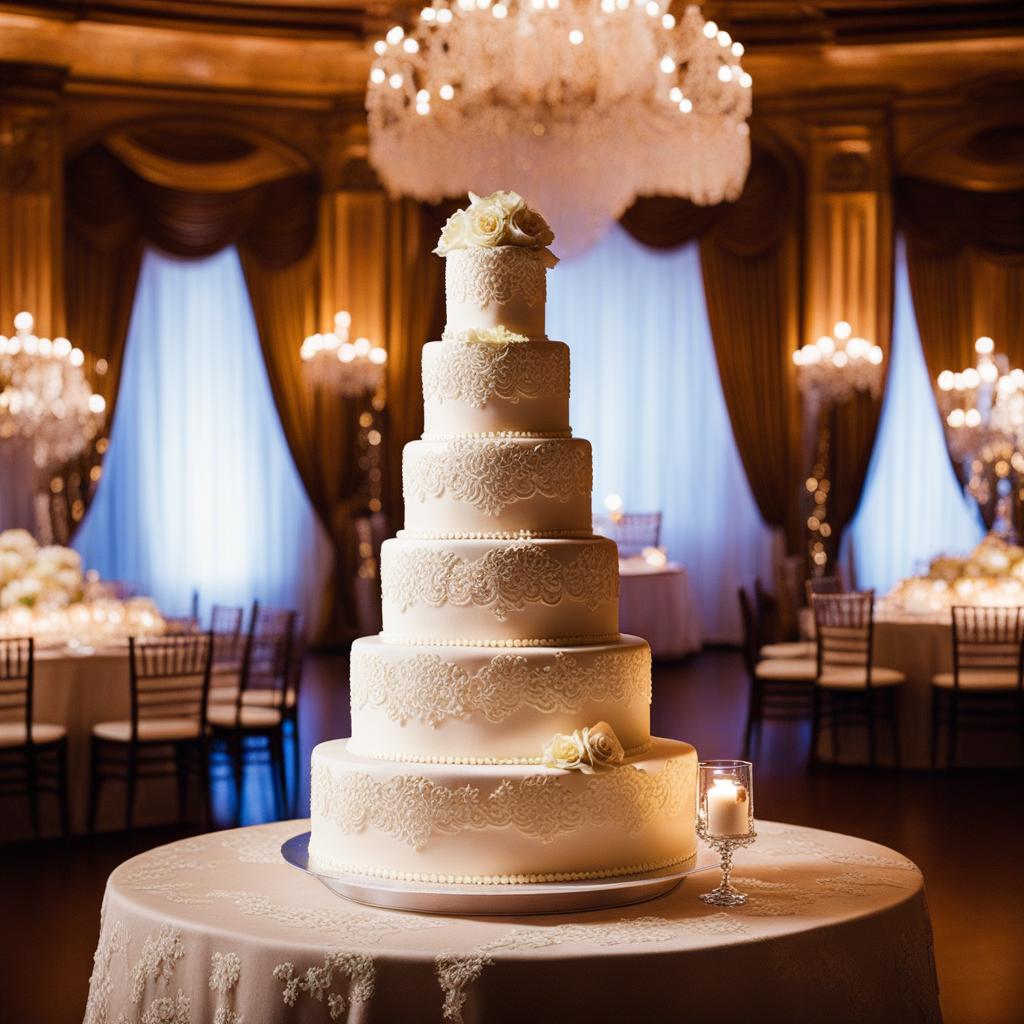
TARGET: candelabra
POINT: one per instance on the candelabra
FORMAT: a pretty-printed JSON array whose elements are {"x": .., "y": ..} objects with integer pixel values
[
  {"x": 44, "y": 395},
  {"x": 983, "y": 412},
  {"x": 831, "y": 371},
  {"x": 349, "y": 368}
]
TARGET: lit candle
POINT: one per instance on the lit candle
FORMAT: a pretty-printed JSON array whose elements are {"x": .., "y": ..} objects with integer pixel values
[{"x": 728, "y": 813}]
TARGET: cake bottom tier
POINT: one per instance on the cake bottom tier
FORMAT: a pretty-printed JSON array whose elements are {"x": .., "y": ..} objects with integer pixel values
[{"x": 504, "y": 823}]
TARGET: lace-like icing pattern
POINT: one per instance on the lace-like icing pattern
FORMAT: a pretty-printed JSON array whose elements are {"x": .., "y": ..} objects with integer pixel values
[
  {"x": 499, "y": 275},
  {"x": 491, "y": 475},
  {"x": 429, "y": 689},
  {"x": 504, "y": 579},
  {"x": 412, "y": 808},
  {"x": 476, "y": 373}
]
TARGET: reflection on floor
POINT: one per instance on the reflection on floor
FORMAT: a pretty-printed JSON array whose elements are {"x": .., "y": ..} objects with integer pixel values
[{"x": 964, "y": 830}]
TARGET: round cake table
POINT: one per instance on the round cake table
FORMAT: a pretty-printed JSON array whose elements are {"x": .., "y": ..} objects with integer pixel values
[
  {"x": 220, "y": 929},
  {"x": 656, "y": 602}
]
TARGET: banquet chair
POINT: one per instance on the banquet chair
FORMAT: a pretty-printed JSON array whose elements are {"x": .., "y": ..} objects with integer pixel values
[
  {"x": 33, "y": 755},
  {"x": 631, "y": 531},
  {"x": 781, "y": 689},
  {"x": 768, "y": 616},
  {"x": 229, "y": 642},
  {"x": 985, "y": 690},
  {"x": 823, "y": 585},
  {"x": 250, "y": 730},
  {"x": 165, "y": 736},
  {"x": 849, "y": 688}
]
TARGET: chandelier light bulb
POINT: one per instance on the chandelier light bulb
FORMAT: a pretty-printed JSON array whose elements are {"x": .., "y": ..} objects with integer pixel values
[
  {"x": 972, "y": 418},
  {"x": 971, "y": 378},
  {"x": 956, "y": 418},
  {"x": 575, "y": 37},
  {"x": 667, "y": 65},
  {"x": 685, "y": 105},
  {"x": 24, "y": 322},
  {"x": 444, "y": 16},
  {"x": 710, "y": 29},
  {"x": 427, "y": 14},
  {"x": 377, "y": 76},
  {"x": 745, "y": 80},
  {"x": 984, "y": 346},
  {"x": 613, "y": 503},
  {"x": 652, "y": 8},
  {"x": 725, "y": 73},
  {"x": 410, "y": 45},
  {"x": 499, "y": 11},
  {"x": 842, "y": 330},
  {"x": 840, "y": 359},
  {"x": 394, "y": 35},
  {"x": 608, "y": 6},
  {"x": 342, "y": 320},
  {"x": 395, "y": 81},
  {"x": 668, "y": 22},
  {"x": 826, "y": 345},
  {"x": 446, "y": 92},
  {"x": 378, "y": 356},
  {"x": 737, "y": 49},
  {"x": 724, "y": 39},
  {"x": 675, "y": 94},
  {"x": 989, "y": 371}
]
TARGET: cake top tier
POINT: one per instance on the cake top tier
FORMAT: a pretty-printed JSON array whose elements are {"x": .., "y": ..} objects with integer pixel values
[{"x": 497, "y": 258}]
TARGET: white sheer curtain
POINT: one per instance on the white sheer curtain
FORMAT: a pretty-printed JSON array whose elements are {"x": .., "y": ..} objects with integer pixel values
[
  {"x": 646, "y": 392},
  {"x": 913, "y": 507},
  {"x": 199, "y": 490}
]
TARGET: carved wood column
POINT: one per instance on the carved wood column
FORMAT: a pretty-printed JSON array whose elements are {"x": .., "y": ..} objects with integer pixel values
[
  {"x": 849, "y": 224},
  {"x": 31, "y": 195}
]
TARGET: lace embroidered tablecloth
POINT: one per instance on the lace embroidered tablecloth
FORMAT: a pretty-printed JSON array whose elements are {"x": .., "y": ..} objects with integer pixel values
[{"x": 220, "y": 930}]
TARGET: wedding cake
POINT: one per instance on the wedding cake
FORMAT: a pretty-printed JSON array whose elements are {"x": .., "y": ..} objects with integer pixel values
[{"x": 500, "y": 722}]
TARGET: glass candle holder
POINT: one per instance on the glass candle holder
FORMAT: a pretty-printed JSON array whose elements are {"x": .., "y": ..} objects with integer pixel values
[{"x": 725, "y": 819}]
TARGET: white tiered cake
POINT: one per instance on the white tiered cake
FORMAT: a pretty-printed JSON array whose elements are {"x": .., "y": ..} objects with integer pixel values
[{"x": 500, "y": 722}]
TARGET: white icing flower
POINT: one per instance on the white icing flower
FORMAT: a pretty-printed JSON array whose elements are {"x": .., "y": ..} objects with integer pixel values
[
  {"x": 527, "y": 227},
  {"x": 602, "y": 746},
  {"x": 502, "y": 218},
  {"x": 594, "y": 748},
  {"x": 454, "y": 235},
  {"x": 488, "y": 223},
  {"x": 564, "y": 751}
]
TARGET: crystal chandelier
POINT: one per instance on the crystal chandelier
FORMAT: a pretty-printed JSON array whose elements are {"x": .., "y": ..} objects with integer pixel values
[
  {"x": 983, "y": 410},
  {"x": 44, "y": 396},
  {"x": 349, "y": 368},
  {"x": 579, "y": 105},
  {"x": 838, "y": 365}
]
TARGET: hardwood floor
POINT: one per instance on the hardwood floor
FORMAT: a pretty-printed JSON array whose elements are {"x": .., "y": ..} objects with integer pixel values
[{"x": 964, "y": 830}]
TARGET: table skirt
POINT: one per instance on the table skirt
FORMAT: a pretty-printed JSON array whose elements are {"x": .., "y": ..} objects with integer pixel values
[{"x": 219, "y": 929}]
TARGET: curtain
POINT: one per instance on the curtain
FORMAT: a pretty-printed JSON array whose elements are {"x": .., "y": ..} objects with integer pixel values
[
  {"x": 965, "y": 259},
  {"x": 913, "y": 507},
  {"x": 646, "y": 392},
  {"x": 750, "y": 258},
  {"x": 199, "y": 488},
  {"x": 415, "y": 315},
  {"x": 965, "y": 256}
]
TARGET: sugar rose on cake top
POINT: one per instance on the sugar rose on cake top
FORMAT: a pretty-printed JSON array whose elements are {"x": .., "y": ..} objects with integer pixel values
[{"x": 502, "y": 218}]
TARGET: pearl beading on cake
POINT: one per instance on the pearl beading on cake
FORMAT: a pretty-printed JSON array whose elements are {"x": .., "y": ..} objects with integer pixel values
[
  {"x": 636, "y": 751},
  {"x": 558, "y": 641}
]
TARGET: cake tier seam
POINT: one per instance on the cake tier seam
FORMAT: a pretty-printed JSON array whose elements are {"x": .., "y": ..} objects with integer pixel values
[
  {"x": 356, "y": 750},
  {"x": 558, "y": 641}
]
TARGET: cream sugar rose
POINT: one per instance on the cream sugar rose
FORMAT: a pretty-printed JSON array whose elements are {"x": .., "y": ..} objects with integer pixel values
[{"x": 501, "y": 723}]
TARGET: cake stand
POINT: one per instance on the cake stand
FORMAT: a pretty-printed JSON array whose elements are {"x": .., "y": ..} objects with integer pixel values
[{"x": 499, "y": 900}]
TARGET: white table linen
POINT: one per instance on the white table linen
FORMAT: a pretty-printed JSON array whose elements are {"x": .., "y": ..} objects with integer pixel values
[
  {"x": 656, "y": 603},
  {"x": 219, "y": 929}
]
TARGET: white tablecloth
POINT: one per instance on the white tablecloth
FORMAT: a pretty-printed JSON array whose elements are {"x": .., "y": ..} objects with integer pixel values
[
  {"x": 77, "y": 691},
  {"x": 220, "y": 930},
  {"x": 657, "y": 604}
]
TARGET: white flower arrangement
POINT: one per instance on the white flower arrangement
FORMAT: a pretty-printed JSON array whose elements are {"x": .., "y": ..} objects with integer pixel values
[
  {"x": 586, "y": 750},
  {"x": 502, "y": 218},
  {"x": 31, "y": 575}
]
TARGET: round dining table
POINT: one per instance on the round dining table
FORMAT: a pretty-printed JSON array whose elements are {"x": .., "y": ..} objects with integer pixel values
[
  {"x": 656, "y": 602},
  {"x": 221, "y": 929}
]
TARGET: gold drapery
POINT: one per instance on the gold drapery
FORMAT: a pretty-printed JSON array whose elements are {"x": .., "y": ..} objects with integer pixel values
[
  {"x": 415, "y": 315},
  {"x": 750, "y": 259},
  {"x": 113, "y": 212},
  {"x": 965, "y": 262}
]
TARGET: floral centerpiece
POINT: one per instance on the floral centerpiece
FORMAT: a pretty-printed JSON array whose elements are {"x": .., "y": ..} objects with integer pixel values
[
  {"x": 992, "y": 574},
  {"x": 502, "y": 218},
  {"x": 45, "y": 593}
]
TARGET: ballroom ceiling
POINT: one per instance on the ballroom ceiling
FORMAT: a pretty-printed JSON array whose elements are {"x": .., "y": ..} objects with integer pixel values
[{"x": 772, "y": 23}]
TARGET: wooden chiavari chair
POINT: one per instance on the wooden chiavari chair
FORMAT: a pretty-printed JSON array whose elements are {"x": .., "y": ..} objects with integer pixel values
[
  {"x": 781, "y": 689},
  {"x": 33, "y": 755},
  {"x": 773, "y": 645},
  {"x": 985, "y": 690},
  {"x": 165, "y": 735},
  {"x": 250, "y": 730},
  {"x": 850, "y": 689}
]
